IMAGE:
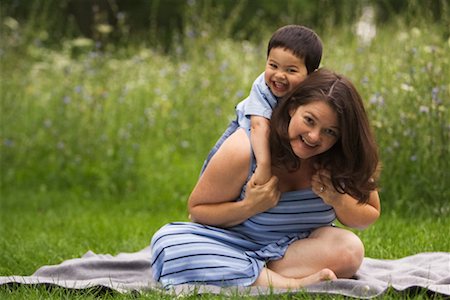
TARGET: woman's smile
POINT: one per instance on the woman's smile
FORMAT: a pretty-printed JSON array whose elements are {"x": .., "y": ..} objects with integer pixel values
[
  {"x": 313, "y": 129},
  {"x": 304, "y": 140}
]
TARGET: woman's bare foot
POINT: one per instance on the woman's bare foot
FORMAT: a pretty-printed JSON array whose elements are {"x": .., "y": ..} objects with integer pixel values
[
  {"x": 322, "y": 275},
  {"x": 271, "y": 279}
]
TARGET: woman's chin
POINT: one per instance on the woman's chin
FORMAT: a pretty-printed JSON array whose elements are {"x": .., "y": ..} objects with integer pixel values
[{"x": 302, "y": 150}]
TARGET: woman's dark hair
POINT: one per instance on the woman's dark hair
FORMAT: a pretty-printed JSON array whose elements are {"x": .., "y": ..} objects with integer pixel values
[
  {"x": 353, "y": 160},
  {"x": 302, "y": 41}
]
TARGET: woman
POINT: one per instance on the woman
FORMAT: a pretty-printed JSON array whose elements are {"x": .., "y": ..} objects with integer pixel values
[{"x": 281, "y": 234}]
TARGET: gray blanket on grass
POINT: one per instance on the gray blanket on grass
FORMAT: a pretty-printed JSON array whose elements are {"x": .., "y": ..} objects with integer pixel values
[{"x": 129, "y": 272}]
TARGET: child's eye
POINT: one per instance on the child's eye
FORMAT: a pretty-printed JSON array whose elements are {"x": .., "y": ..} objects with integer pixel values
[
  {"x": 292, "y": 70},
  {"x": 274, "y": 66}
]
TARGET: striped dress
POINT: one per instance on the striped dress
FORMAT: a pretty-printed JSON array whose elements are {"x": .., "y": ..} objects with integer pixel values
[{"x": 192, "y": 253}]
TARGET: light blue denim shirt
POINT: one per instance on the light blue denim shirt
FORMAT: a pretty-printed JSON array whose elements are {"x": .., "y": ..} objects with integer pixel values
[{"x": 260, "y": 102}]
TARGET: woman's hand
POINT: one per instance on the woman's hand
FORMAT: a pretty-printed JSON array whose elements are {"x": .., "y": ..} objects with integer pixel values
[
  {"x": 322, "y": 186},
  {"x": 262, "y": 197},
  {"x": 348, "y": 211},
  {"x": 213, "y": 199}
]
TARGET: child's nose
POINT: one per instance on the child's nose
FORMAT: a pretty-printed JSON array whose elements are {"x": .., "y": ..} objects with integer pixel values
[{"x": 280, "y": 74}]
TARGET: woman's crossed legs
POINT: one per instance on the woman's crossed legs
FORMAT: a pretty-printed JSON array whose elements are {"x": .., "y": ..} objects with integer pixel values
[{"x": 328, "y": 253}]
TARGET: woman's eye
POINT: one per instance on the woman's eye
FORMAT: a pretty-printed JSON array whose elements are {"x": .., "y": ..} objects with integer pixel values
[
  {"x": 331, "y": 132},
  {"x": 308, "y": 120}
]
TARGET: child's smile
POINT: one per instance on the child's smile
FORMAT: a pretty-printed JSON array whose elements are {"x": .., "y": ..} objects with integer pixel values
[{"x": 284, "y": 71}]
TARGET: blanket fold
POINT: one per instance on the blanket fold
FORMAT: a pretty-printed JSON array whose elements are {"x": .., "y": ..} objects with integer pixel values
[{"x": 126, "y": 272}]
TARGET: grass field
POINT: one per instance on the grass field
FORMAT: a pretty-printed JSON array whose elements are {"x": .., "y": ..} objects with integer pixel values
[
  {"x": 57, "y": 226},
  {"x": 101, "y": 148}
]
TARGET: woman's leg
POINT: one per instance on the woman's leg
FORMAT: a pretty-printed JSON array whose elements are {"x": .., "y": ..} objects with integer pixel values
[
  {"x": 332, "y": 248},
  {"x": 190, "y": 253}
]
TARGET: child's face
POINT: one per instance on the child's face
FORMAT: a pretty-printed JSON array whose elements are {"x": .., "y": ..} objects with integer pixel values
[{"x": 284, "y": 71}]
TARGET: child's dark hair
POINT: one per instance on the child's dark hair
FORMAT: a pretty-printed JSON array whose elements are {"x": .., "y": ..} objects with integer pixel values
[{"x": 302, "y": 41}]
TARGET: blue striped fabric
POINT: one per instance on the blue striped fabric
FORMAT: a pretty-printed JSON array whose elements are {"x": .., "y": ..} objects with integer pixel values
[
  {"x": 297, "y": 211},
  {"x": 191, "y": 253}
]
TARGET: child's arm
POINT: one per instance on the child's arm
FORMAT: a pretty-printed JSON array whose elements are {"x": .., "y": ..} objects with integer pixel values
[{"x": 259, "y": 138}]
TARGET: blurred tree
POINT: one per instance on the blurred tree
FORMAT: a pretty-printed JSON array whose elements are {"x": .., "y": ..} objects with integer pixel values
[{"x": 157, "y": 21}]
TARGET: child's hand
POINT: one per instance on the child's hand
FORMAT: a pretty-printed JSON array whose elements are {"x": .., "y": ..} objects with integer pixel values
[
  {"x": 262, "y": 197},
  {"x": 261, "y": 176}
]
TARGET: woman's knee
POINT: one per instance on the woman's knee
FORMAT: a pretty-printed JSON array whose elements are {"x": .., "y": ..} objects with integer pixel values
[
  {"x": 346, "y": 250},
  {"x": 161, "y": 233},
  {"x": 349, "y": 253}
]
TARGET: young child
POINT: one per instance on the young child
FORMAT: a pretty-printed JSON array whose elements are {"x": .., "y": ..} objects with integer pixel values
[{"x": 293, "y": 52}]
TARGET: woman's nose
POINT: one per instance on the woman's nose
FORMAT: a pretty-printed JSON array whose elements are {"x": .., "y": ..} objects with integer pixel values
[{"x": 314, "y": 136}]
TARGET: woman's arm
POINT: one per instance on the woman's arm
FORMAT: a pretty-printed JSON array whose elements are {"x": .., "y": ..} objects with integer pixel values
[
  {"x": 212, "y": 201},
  {"x": 348, "y": 211},
  {"x": 352, "y": 214}
]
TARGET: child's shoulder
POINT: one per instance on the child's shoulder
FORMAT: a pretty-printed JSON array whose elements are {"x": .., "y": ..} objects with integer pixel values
[{"x": 260, "y": 80}]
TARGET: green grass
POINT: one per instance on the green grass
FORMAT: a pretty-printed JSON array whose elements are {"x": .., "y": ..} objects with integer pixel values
[
  {"x": 39, "y": 292},
  {"x": 46, "y": 228},
  {"x": 100, "y": 149}
]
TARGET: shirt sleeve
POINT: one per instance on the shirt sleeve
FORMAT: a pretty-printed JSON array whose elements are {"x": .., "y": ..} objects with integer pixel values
[{"x": 261, "y": 101}]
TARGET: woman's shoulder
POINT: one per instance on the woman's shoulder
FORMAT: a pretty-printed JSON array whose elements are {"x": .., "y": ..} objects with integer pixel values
[
  {"x": 237, "y": 146},
  {"x": 229, "y": 167},
  {"x": 235, "y": 153}
]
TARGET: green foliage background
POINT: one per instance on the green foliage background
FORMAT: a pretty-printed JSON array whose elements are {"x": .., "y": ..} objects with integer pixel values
[
  {"x": 103, "y": 130},
  {"x": 123, "y": 111}
]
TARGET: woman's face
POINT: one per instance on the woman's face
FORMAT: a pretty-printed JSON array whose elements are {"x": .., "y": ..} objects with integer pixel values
[{"x": 313, "y": 129}]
